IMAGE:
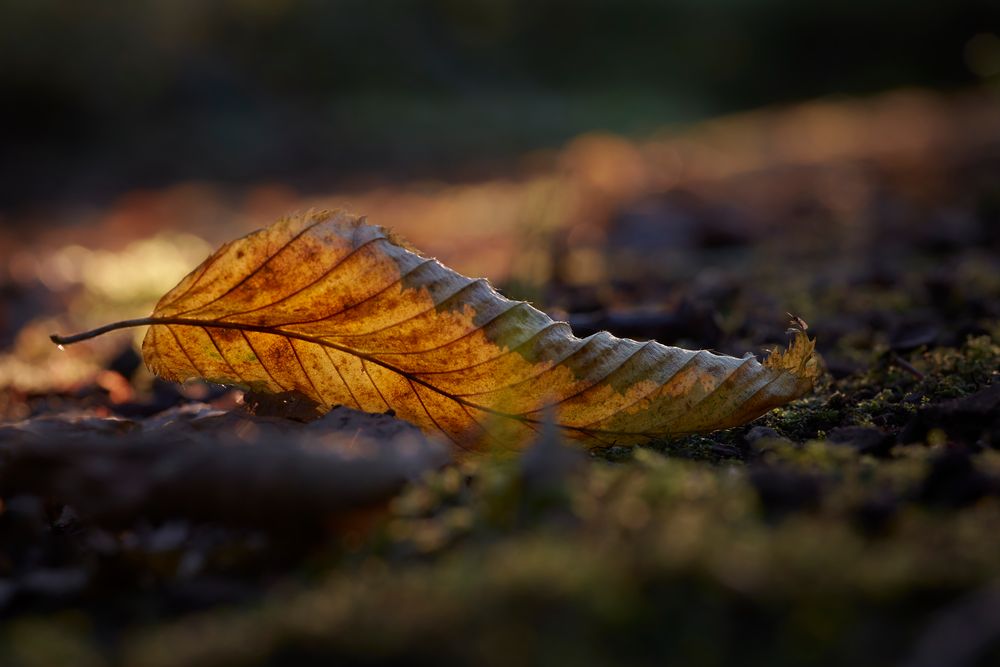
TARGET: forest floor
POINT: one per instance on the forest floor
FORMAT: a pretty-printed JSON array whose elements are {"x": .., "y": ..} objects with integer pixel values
[{"x": 147, "y": 524}]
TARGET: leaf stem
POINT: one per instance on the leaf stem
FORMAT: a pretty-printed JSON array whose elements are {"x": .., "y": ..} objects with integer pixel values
[{"x": 93, "y": 333}]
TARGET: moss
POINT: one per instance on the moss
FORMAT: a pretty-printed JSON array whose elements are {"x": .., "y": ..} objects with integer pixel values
[
  {"x": 60, "y": 640},
  {"x": 641, "y": 561}
]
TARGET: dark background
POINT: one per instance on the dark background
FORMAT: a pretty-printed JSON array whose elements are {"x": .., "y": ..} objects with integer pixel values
[{"x": 103, "y": 97}]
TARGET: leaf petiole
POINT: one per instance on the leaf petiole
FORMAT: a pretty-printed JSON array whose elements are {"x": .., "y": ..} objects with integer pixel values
[{"x": 93, "y": 333}]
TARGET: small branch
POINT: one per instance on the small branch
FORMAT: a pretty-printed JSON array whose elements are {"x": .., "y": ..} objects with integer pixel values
[
  {"x": 93, "y": 333},
  {"x": 906, "y": 366}
]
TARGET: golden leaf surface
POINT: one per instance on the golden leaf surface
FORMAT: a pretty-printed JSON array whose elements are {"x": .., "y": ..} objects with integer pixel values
[{"x": 342, "y": 312}]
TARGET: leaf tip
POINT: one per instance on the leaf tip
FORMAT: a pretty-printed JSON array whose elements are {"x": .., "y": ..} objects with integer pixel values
[{"x": 799, "y": 358}]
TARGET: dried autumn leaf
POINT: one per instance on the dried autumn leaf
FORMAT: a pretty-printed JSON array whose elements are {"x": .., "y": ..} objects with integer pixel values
[{"x": 344, "y": 313}]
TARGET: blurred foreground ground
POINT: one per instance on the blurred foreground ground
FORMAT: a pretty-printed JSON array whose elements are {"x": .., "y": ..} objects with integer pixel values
[{"x": 147, "y": 524}]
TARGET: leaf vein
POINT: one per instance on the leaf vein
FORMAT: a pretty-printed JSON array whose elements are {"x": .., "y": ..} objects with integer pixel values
[
  {"x": 362, "y": 301},
  {"x": 333, "y": 363},
  {"x": 318, "y": 280},
  {"x": 242, "y": 281},
  {"x": 659, "y": 386},
  {"x": 260, "y": 360}
]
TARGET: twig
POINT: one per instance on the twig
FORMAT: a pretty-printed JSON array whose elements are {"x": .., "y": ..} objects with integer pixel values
[{"x": 905, "y": 365}]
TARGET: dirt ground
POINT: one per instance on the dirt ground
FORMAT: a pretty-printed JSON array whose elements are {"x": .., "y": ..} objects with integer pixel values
[{"x": 143, "y": 523}]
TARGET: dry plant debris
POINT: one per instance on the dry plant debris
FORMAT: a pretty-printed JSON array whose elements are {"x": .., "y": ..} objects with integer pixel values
[{"x": 345, "y": 313}]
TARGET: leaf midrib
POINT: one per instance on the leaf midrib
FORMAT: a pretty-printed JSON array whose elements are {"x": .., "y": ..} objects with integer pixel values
[{"x": 239, "y": 326}]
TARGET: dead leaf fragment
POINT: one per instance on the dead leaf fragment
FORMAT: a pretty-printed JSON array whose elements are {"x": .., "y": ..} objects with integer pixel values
[
  {"x": 337, "y": 310},
  {"x": 203, "y": 464}
]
